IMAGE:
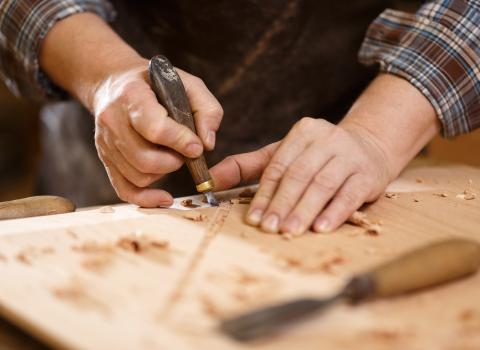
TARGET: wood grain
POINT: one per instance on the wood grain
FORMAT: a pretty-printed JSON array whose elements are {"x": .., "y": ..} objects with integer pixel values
[{"x": 66, "y": 279}]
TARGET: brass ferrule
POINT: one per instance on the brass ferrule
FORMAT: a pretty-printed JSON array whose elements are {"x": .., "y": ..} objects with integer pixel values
[{"x": 205, "y": 186}]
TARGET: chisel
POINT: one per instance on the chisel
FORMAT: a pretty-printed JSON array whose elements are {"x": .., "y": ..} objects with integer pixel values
[
  {"x": 424, "y": 267},
  {"x": 170, "y": 92}
]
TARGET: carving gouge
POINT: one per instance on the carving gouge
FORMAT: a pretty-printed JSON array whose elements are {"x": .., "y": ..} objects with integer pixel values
[
  {"x": 427, "y": 266},
  {"x": 170, "y": 92}
]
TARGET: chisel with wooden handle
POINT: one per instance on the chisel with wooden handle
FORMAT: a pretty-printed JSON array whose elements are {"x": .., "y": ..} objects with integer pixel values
[
  {"x": 35, "y": 206},
  {"x": 425, "y": 267},
  {"x": 170, "y": 92}
]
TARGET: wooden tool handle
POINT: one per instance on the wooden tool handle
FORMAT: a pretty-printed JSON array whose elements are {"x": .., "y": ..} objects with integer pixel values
[
  {"x": 425, "y": 267},
  {"x": 168, "y": 87},
  {"x": 35, "y": 206}
]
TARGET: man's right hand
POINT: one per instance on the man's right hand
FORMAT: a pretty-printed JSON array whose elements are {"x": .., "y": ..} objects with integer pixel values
[{"x": 136, "y": 140}]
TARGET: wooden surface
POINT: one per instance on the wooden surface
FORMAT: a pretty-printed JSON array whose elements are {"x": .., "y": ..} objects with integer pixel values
[{"x": 67, "y": 280}]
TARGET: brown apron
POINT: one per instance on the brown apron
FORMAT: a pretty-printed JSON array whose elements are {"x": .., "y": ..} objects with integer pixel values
[{"x": 269, "y": 62}]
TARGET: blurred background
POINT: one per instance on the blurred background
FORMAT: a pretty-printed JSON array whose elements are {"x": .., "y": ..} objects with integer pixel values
[{"x": 20, "y": 142}]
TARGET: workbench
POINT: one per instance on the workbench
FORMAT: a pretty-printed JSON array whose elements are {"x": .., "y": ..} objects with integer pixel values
[{"x": 78, "y": 281}]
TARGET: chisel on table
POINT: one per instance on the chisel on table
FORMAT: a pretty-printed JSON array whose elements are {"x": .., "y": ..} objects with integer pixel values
[
  {"x": 424, "y": 267},
  {"x": 170, "y": 92}
]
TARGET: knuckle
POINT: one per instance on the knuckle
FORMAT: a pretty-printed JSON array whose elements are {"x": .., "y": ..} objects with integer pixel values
[
  {"x": 324, "y": 183},
  {"x": 305, "y": 124},
  {"x": 104, "y": 118},
  {"x": 298, "y": 170},
  {"x": 274, "y": 172},
  {"x": 143, "y": 181},
  {"x": 146, "y": 165}
]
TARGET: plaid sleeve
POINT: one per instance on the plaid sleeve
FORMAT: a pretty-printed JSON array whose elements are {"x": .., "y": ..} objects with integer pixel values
[
  {"x": 438, "y": 51},
  {"x": 23, "y": 26}
]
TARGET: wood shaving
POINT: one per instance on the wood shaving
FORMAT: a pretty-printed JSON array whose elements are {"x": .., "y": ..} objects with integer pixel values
[
  {"x": 244, "y": 201},
  {"x": 324, "y": 264},
  {"x": 77, "y": 295},
  {"x": 93, "y": 247},
  {"x": 287, "y": 236},
  {"x": 25, "y": 256},
  {"x": 106, "y": 210},
  {"x": 188, "y": 203},
  {"x": 47, "y": 250},
  {"x": 466, "y": 195},
  {"x": 195, "y": 216},
  {"x": 96, "y": 263},
  {"x": 210, "y": 307},
  {"x": 419, "y": 180},
  {"x": 416, "y": 200},
  {"x": 247, "y": 193},
  {"x": 392, "y": 195},
  {"x": 138, "y": 244},
  {"x": 441, "y": 194},
  {"x": 72, "y": 234},
  {"x": 360, "y": 219}
]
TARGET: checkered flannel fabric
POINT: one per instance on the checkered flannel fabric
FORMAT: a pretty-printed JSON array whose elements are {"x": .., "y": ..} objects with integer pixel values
[
  {"x": 438, "y": 51},
  {"x": 23, "y": 25}
]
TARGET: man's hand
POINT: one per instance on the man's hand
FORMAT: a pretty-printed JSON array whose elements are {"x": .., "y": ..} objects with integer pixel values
[
  {"x": 317, "y": 168},
  {"x": 321, "y": 173},
  {"x": 135, "y": 139}
]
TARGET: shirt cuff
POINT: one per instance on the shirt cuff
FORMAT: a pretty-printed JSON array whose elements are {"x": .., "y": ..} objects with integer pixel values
[
  {"x": 438, "y": 51},
  {"x": 24, "y": 75}
]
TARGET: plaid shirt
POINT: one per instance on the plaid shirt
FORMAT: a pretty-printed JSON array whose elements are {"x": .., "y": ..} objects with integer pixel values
[{"x": 437, "y": 50}]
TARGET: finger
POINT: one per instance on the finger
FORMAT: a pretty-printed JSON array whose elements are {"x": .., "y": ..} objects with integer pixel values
[
  {"x": 151, "y": 121},
  {"x": 293, "y": 184},
  {"x": 319, "y": 192},
  {"x": 206, "y": 110},
  {"x": 144, "y": 197},
  {"x": 289, "y": 149},
  {"x": 349, "y": 198},
  {"x": 147, "y": 157},
  {"x": 134, "y": 176},
  {"x": 239, "y": 168}
]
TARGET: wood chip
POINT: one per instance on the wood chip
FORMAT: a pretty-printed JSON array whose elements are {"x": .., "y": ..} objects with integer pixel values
[
  {"x": 24, "y": 257},
  {"x": 392, "y": 195},
  {"x": 247, "y": 193},
  {"x": 106, "y": 210},
  {"x": 188, "y": 203},
  {"x": 287, "y": 236},
  {"x": 92, "y": 247},
  {"x": 416, "y": 200},
  {"x": 210, "y": 307},
  {"x": 419, "y": 180},
  {"x": 360, "y": 219},
  {"x": 3, "y": 257},
  {"x": 195, "y": 216},
  {"x": 96, "y": 263},
  {"x": 244, "y": 200},
  {"x": 140, "y": 243},
  {"x": 466, "y": 195},
  {"x": 441, "y": 194}
]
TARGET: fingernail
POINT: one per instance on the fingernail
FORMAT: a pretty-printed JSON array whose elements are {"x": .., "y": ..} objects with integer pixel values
[
  {"x": 322, "y": 225},
  {"x": 270, "y": 224},
  {"x": 255, "y": 217},
  {"x": 293, "y": 226},
  {"x": 194, "y": 150},
  {"x": 211, "y": 139}
]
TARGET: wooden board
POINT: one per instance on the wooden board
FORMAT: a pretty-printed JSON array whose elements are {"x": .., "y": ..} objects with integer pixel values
[{"x": 71, "y": 280}]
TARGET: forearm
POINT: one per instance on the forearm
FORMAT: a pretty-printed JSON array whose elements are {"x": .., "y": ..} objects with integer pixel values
[
  {"x": 81, "y": 51},
  {"x": 397, "y": 116}
]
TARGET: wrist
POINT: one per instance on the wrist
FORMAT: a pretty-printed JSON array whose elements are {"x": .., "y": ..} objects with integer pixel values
[{"x": 81, "y": 51}]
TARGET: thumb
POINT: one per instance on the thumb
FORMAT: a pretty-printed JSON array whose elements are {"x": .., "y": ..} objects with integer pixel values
[{"x": 243, "y": 167}]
